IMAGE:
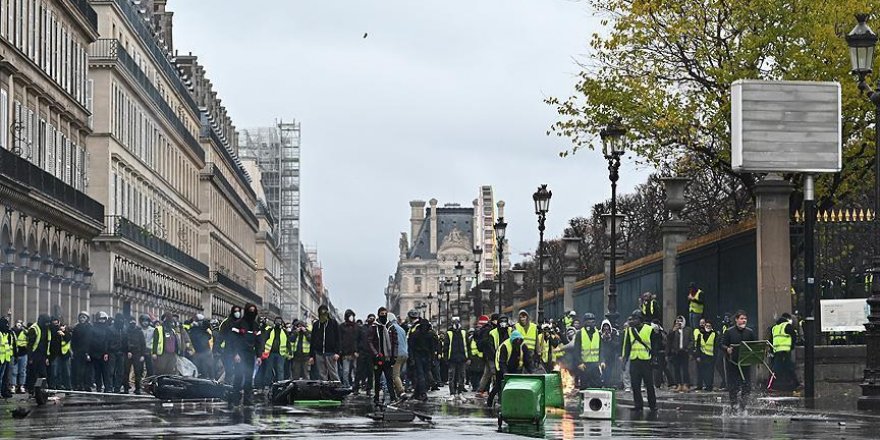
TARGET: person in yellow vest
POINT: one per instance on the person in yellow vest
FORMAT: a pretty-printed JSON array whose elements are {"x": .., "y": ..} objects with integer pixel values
[
  {"x": 512, "y": 357},
  {"x": 275, "y": 352},
  {"x": 696, "y": 304},
  {"x": 19, "y": 358},
  {"x": 38, "y": 343},
  {"x": 587, "y": 346},
  {"x": 456, "y": 350},
  {"x": 548, "y": 340},
  {"x": 475, "y": 361},
  {"x": 568, "y": 319},
  {"x": 640, "y": 343},
  {"x": 784, "y": 337},
  {"x": 166, "y": 346},
  {"x": 528, "y": 330},
  {"x": 58, "y": 351},
  {"x": 7, "y": 347},
  {"x": 300, "y": 347},
  {"x": 706, "y": 347},
  {"x": 649, "y": 307}
]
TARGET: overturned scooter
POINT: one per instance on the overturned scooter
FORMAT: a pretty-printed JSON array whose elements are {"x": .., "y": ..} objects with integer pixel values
[
  {"x": 172, "y": 387},
  {"x": 286, "y": 392}
]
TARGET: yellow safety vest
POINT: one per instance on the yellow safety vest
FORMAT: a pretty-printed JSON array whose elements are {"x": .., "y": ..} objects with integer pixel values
[
  {"x": 21, "y": 339},
  {"x": 509, "y": 346},
  {"x": 589, "y": 346},
  {"x": 5, "y": 348},
  {"x": 495, "y": 337},
  {"x": 696, "y": 337},
  {"x": 39, "y": 333},
  {"x": 475, "y": 350},
  {"x": 694, "y": 306},
  {"x": 160, "y": 343},
  {"x": 547, "y": 353},
  {"x": 648, "y": 306},
  {"x": 707, "y": 345},
  {"x": 463, "y": 340},
  {"x": 307, "y": 347},
  {"x": 639, "y": 351},
  {"x": 781, "y": 339},
  {"x": 282, "y": 343},
  {"x": 530, "y": 335},
  {"x": 65, "y": 345}
]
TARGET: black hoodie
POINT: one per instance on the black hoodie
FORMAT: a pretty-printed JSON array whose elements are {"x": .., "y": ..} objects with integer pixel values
[
  {"x": 225, "y": 330},
  {"x": 349, "y": 335},
  {"x": 245, "y": 337},
  {"x": 117, "y": 341},
  {"x": 81, "y": 336}
]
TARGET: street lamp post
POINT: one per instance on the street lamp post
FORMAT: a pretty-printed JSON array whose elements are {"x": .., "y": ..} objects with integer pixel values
[
  {"x": 612, "y": 149},
  {"x": 430, "y": 297},
  {"x": 459, "y": 271},
  {"x": 448, "y": 287},
  {"x": 500, "y": 230},
  {"x": 541, "y": 197},
  {"x": 861, "y": 41}
]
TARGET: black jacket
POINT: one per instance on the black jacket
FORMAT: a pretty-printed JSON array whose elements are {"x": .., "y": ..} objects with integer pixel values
[
  {"x": 201, "y": 339},
  {"x": 55, "y": 342},
  {"x": 421, "y": 340},
  {"x": 117, "y": 341},
  {"x": 349, "y": 336},
  {"x": 325, "y": 338},
  {"x": 245, "y": 338},
  {"x": 137, "y": 344},
  {"x": 100, "y": 340},
  {"x": 735, "y": 336},
  {"x": 80, "y": 342}
]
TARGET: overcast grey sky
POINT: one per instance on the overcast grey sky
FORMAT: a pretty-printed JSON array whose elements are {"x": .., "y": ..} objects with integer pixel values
[{"x": 440, "y": 98}]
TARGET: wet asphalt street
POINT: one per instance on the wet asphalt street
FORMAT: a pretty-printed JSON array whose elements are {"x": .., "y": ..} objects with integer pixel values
[{"x": 75, "y": 418}]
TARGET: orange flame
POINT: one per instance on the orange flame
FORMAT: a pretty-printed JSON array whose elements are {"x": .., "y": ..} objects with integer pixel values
[{"x": 568, "y": 387}]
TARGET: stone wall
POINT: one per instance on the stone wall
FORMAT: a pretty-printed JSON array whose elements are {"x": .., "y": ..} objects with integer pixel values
[{"x": 839, "y": 372}]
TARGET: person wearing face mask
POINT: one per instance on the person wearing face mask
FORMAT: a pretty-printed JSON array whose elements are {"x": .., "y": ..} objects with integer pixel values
[
  {"x": 640, "y": 346},
  {"x": 512, "y": 357},
  {"x": 402, "y": 355},
  {"x": 145, "y": 325},
  {"x": 548, "y": 341},
  {"x": 166, "y": 346},
  {"x": 348, "y": 347},
  {"x": 80, "y": 345},
  {"x": 136, "y": 345},
  {"x": 739, "y": 385},
  {"x": 383, "y": 351},
  {"x": 420, "y": 342},
  {"x": 19, "y": 358},
  {"x": 275, "y": 351},
  {"x": 118, "y": 349},
  {"x": 456, "y": 356},
  {"x": 202, "y": 338},
  {"x": 99, "y": 352},
  {"x": 325, "y": 345},
  {"x": 301, "y": 348},
  {"x": 222, "y": 336},
  {"x": 364, "y": 373},
  {"x": 706, "y": 357},
  {"x": 588, "y": 346},
  {"x": 246, "y": 343},
  {"x": 609, "y": 350}
]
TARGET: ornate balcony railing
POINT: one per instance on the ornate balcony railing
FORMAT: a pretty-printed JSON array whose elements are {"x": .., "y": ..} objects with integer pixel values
[
  {"x": 119, "y": 226},
  {"x": 248, "y": 294}
]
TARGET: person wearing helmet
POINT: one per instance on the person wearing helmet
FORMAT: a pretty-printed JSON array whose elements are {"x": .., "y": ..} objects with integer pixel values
[
  {"x": 587, "y": 346},
  {"x": 568, "y": 319},
  {"x": 640, "y": 345},
  {"x": 512, "y": 357},
  {"x": 80, "y": 340}
]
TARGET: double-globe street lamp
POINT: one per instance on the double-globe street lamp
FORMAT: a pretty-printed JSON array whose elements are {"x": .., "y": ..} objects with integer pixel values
[
  {"x": 500, "y": 230},
  {"x": 541, "y": 197},
  {"x": 478, "y": 253},
  {"x": 612, "y": 148},
  {"x": 862, "y": 41}
]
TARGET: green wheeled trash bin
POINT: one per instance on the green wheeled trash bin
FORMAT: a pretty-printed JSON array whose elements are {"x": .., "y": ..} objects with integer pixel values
[
  {"x": 553, "y": 394},
  {"x": 522, "y": 400}
]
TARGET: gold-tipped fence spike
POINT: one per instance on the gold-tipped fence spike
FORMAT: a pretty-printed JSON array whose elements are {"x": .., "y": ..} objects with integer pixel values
[
  {"x": 861, "y": 214},
  {"x": 840, "y": 215},
  {"x": 797, "y": 216},
  {"x": 825, "y": 216},
  {"x": 849, "y": 217}
]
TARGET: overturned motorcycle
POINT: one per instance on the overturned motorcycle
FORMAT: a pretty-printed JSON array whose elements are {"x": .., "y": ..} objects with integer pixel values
[
  {"x": 171, "y": 387},
  {"x": 286, "y": 392}
]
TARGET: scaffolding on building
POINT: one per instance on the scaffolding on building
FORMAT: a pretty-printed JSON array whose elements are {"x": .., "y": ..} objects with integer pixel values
[{"x": 276, "y": 151}]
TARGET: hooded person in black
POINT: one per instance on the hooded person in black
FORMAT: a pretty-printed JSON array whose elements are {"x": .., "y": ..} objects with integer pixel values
[
  {"x": 118, "y": 347},
  {"x": 99, "y": 351},
  {"x": 325, "y": 345},
  {"x": 134, "y": 358},
  {"x": 421, "y": 350},
  {"x": 220, "y": 344},
  {"x": 80, "y": 345},
  {"x": 38, "y": 360},
  {"x": 245, "y": 340},
  {"x": 59, "y": 355},
  {"x": 349, "y": 335}
]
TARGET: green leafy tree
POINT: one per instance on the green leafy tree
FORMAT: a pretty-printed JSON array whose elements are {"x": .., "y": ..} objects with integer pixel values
[{"x": 665, "y": 67}]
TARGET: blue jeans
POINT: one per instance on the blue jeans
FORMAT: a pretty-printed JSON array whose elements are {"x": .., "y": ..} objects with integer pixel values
[
  {"x": 274, "y": 369},
  {"x": 349, "y": 364},
  {"x": 694, "y": 319},
  {"x": 19, "y": 370}
]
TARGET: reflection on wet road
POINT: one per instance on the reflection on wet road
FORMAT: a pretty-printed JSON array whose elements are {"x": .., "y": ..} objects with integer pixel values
[{"x": 89, "y": 419}]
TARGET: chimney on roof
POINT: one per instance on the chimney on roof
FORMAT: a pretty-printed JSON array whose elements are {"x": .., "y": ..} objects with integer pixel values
[
  {"x": 433, "y": 221},
  {"x": 416, "y": 220}
]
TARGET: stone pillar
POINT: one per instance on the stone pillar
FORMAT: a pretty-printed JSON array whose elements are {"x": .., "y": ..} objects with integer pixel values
[
  {"x": 570, "y": 274},
  {"x": 26, "y": 303},
  {"x": 774, "y": 250},
  {"x": 6, "y": 301},
  {"x": 674, "y": 233},
  {"x": 416, "y": 220},
  {"x": 207, "y": 299},
  {"x": 433, "y": 224}
]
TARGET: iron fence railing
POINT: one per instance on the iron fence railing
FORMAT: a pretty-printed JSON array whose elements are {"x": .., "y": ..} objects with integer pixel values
[
  {"x": 28, "y": 174},
  {"x": 110, "y": 49},
  {"x": 119, "y": 226},
  {"x": 87, "y": 11},
  {"x": 233, "y": 285}
]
